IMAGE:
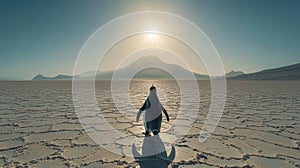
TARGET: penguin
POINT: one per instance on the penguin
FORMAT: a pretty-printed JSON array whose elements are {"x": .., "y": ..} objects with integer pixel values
[{"x": 153, "y": 113}]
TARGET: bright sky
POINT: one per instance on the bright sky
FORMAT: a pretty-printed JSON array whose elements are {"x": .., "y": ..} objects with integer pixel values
[{"x": 39, "y": 36}]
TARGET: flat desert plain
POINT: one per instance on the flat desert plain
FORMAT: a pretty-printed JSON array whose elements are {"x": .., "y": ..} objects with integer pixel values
[{"x": 260, "y": 126}]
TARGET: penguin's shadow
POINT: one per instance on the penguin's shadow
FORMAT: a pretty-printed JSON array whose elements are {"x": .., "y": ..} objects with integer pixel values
[{"x": 153, "y": 153}]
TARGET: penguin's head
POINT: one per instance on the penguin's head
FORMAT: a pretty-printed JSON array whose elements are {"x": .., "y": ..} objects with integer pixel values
[{"x": 152, "y": 87}]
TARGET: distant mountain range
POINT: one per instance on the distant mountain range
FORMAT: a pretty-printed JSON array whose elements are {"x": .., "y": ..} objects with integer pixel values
[
  {"x": 151, "y": 72},
  {"x": 291, "y": 72},
  {"x": 58, "y": 77},
  {"x": 154, "y": 73},
  {"x": 234, "y": 73}
]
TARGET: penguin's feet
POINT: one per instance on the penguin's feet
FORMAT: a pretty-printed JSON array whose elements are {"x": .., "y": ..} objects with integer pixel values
[
  {"x": 147, "y": 133},
  {"x": 155, "y": 132}
]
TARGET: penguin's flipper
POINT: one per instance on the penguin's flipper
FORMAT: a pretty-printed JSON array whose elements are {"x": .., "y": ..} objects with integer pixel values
[
  {"x": 138, "y": 115},
  {"x": 166, "y": 114}
]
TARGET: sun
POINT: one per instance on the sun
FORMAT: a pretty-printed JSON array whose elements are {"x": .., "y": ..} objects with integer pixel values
[{"x": 152, "y": 35}]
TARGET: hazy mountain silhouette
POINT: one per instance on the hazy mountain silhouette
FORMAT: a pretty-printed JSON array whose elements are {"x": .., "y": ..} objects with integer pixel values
[
  {"x": 291, "y": 72},
  {"x": 163, "y": 72},
  {"x": 58, "y": 77},
  {"x": 234, "y": 73}
]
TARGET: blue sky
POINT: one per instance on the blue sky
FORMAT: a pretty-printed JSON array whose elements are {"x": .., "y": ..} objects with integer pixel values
[{"x": 39, "y": 36}]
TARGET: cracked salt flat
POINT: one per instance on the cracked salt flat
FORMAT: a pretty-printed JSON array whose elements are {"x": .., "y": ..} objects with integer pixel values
[{"x": 259, "y": 127}]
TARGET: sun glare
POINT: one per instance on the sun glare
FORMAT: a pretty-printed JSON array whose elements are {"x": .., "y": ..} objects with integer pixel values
[{"x": 152, "y": 35}]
